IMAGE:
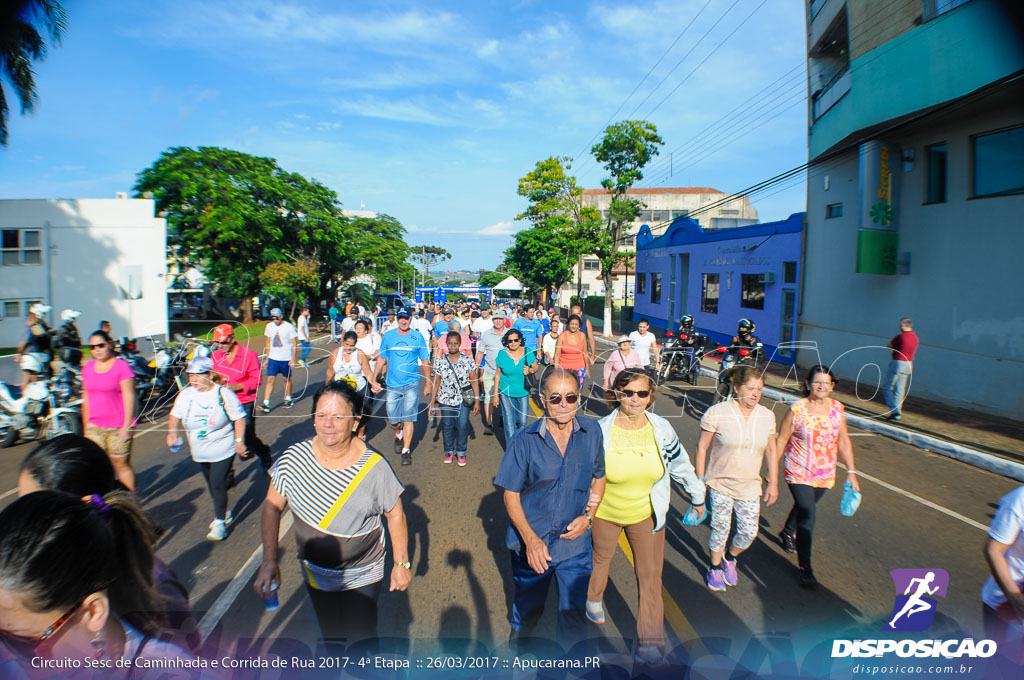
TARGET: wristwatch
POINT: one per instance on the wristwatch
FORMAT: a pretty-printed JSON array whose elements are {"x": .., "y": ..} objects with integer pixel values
[{"x": 404, "y": 565}]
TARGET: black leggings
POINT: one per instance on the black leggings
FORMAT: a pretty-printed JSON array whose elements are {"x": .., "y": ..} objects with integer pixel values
[
  {"x": 218, "y": 475},
  {"x": 253, "y": 443},
  {"x": 346, "y": 614},
  {"x": 800, "y": 522}
]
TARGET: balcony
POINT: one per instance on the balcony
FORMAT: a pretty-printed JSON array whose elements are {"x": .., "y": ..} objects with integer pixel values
[{"x": 826, "y": 97}]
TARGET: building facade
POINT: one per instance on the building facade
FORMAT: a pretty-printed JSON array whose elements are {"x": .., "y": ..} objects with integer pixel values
[
  {"x": 916, "y": 195},
  {"x": 719, "y": 276},
  {"x": 661, "y": 205},
  {"x": 103, "y": 257}
]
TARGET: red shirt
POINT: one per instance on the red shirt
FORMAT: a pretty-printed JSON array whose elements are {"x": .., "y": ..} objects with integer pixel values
[
  {"x": 245, "y": 369},
  {"x": 903, "y": 346}
]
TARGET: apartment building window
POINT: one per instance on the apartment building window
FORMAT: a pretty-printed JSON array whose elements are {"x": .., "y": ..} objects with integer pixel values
[
  {"x": 655, "y": 288},
  {"x": 936, "y": 155},
  {"x": 833, "y": 210},
  {"x": 789, "y": 272},
  {"x": 752, "y": 291},
  {"x": 644, "y": 216},
  {"x": 709, "y": 294},
  {"x": 729, "y": 212},
  {"x": 591, "y": 265},
  {"x": 20, "y": 246},
  {"x": 660, "y": 215},
  {"x": 998, "y": 168},
  {"x": 680, "y": 213},
  {"x": 641, "y": 284},
  {"x": 11, "y": 309}
]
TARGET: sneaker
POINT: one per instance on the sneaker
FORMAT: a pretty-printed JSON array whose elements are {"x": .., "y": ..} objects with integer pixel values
[
  {"x": 729, "y": 574},
  {"x": 218, "y": 530},
  {"x": 398, "y": 443},
  {"x": 488, "y": 430},
  {"x": 288, "y": 403},
  {"x": 788, "y": 541},
  {"x": 651, "y": 657},
  {"x": 462, "y": 460},
  {"x": 805, "y": 577},
  {"x": 265, "y": 407},
  {"x": 716, "y": 579},
  {"x": 449, "y": 458},
  {"x": 229, "y": 519},
  {"x": 406, "y": 458},
  {"x": 595, "y": 612},
  {"x": 303, "y": 364}
]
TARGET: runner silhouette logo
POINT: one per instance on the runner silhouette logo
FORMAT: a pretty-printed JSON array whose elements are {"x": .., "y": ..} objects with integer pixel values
[{"x": 916, "y": 590}]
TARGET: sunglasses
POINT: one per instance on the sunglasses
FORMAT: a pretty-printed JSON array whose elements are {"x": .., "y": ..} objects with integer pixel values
[
  {"x": 569, "y": 398},
  {"x": 100, "y": 345},
  {"x": 511, "y": 340},
  {"x": 643, "y": 394},
  {"x": 26, "y": 645}
]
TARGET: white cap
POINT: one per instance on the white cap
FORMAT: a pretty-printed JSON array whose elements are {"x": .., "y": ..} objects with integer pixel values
[
  {"x": 200, "y": 364},
  {"x": 39, "y": 309}
]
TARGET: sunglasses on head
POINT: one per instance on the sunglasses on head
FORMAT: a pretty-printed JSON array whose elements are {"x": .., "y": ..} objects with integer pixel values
[
  {"x": 569, "y": 398},
  {"x": 643, "y": 394}
]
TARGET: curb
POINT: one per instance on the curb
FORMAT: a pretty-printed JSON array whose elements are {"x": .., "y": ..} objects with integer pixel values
[{"x": 985, "y": 461}]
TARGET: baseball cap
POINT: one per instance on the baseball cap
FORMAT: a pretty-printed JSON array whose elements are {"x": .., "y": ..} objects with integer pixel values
[
  {"x": 475, "y": 314},
  {"x": 622, "y": 339},
  {"x": 404, "y": 311},
  {"x": 200, "y": 365},
  {"x": 447, "y": 310},
  {"x": 500, "y": 314},
  {"x": 276, "y": 311}
]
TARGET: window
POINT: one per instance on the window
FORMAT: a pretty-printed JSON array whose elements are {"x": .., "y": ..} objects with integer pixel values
[
  {"x": 20, "y": 246},
  {"x": 709, "y": 294},
  {"x": 680, "y": 213},
  {"x": 660, "y": 215},
  {"x": 833, "y": 210},
  {"x": 641, "y": 284},
  {"x": 789, "y": 272},
  {"x": 11, "y": 309},
  {"x": 591, "y": 265},
  {"x": 655, "y": 288},
  {"x": 729, "y": 212},
  {"x": 936, "y": 155},
  {"x": 998, "y": 163},
  {"x": 752, "y": 293},
  {"x": 644, "y": 216}
]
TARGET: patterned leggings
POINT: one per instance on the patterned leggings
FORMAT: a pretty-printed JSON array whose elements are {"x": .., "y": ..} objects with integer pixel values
[{"x": 747, "y": 515}]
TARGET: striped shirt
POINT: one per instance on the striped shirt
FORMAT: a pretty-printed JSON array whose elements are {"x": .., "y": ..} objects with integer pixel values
[{"x": 338, "y": 526}]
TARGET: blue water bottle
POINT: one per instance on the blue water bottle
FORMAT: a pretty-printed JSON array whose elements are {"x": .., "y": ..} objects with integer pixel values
[
  {"x": 177, "y": 445},
  {"x": 270, "y": 602},
  {"x": 851, "y": 500}
]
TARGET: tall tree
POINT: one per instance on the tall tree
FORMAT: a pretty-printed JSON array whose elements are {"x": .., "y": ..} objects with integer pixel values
[
  {"x": 295, "y": 281},
  {"x": 624, "y": 150},
  {"x": 381, "y": 252},
  {"x": 21, "y": 43},
  {"x": 428, "y": 256}
]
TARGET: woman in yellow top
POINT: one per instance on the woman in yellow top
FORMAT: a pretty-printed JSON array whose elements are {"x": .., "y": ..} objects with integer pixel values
[{"x": 642, "y": 452}]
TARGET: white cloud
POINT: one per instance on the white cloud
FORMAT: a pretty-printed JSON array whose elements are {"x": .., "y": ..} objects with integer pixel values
[
  {"x": 500, "y": 229},
  {"x": 414, "y": 110},
  {"x": 488, "y": 49}
]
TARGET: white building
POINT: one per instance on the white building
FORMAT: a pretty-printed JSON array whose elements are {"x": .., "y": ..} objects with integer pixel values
[
  {"x": 661, "y": 205},
  {"x": 104, "y": 257}
]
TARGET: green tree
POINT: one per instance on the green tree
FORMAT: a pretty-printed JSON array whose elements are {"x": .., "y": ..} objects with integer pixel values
[
  {"x": 381, "y": 252},
  {"x": 624, "y": 150},
  {"x": 21, "y": 24},
  {"x": 428, "y": 256},
  {"x": 489, "y": 279},
  {"x": 294, "y": 281}
]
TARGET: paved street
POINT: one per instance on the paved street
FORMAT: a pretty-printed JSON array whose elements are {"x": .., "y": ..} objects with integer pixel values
[{"x": 919, "y": 510}]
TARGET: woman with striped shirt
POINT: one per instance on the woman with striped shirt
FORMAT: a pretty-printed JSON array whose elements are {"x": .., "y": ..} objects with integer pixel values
[{"x": 338, "y": 489}]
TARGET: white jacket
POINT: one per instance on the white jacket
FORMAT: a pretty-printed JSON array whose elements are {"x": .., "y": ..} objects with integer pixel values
[{"x": 677, "y": 465}]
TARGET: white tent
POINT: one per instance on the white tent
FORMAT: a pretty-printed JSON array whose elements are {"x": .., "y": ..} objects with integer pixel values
[{"x": 511, "y": 283}]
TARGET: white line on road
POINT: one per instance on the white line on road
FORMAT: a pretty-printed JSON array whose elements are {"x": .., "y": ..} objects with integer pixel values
[
  {"x": 8, "y": 493},
  {"x": 922, "y": 501},
  {"x": 234, "y": 588}
]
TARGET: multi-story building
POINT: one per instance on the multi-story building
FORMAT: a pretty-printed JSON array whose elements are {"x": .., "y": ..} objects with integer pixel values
[
  {"x": 661, "y": 205},
  {"x": 103, "y": 257},
  {"x": 916, "y": 194}
]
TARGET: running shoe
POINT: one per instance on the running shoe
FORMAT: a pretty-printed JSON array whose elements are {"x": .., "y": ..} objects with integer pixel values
[
  {"x": 398, "y": 443},
  {"x": 303, "y": 364},
  {"x": 265, "y": 407},
  {"x": 651, "y": 657},
  {"x": 729, "y": 572},
  {"x": 462, "y": 460},
  {"x": 218, "y": 530},
  {"x": 716, "y": 579},
  {"x": 595, "y": 612},
  {"x": 788, "y": 541},
  {"x": 805, "y": 577},
  {"x": 488, "y": 430},
  {"x": 288, "y": 403},
  {"x": 449, "y": 458},
  {"x": 406, "y": 458},
  {"x": 229, "y": 519}
]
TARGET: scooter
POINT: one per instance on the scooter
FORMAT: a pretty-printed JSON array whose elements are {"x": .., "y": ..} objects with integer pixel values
[
  {"x": 36, "y": 414},
  {"x": 731, "y": 357},
  {"x": 675, "y": 357}
]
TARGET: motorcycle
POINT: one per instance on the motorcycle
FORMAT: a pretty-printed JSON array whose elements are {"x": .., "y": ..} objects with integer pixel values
[
  {"x": 732, "y": 357},
  {"x": 37, "y": 413},
  {"x": 675, "y": 357}
]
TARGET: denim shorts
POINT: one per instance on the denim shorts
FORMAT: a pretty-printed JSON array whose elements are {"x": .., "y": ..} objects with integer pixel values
[
  {"x": 403, "y": 403},
  {"x": 275, "y": 367}
]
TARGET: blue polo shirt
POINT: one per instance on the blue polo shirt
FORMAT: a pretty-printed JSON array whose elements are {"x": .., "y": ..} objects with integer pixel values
[
  {"x": 441, "y": 328},
  {"x": 404, "y": 353},
  {"x": 531, "y": 331},
  {"x": 554, "y": 489}
]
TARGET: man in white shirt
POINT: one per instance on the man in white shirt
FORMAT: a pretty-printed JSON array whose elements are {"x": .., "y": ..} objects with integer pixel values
[
  {"x": 307, "y": 347},
  {"x": 390, "y": 323},
  {"x": 350, "y": 321},
  {"x": 420, "y": 323},
  {"x": 278, "y": 356}
]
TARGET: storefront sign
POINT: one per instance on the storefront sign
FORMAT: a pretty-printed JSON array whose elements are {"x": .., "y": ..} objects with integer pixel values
[{"x": 879, "y": 185}]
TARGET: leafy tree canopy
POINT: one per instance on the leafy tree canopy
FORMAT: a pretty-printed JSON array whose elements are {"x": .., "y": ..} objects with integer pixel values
[{"x": 21, "y": 22}]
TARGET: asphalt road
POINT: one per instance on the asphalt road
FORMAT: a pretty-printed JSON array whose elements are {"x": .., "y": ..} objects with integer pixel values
[{"x": 919, "y": 511}]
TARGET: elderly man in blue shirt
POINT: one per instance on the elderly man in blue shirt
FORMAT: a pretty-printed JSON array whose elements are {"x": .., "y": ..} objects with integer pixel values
[{"x": 553, "y": 476}]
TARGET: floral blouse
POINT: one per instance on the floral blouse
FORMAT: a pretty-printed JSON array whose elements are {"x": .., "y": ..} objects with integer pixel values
[
  {"x": 810, "y": 455},
  {"x": 453, "y": 378}
]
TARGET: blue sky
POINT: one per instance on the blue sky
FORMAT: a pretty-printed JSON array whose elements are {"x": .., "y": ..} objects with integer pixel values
[{"x": 428, "y": 112}]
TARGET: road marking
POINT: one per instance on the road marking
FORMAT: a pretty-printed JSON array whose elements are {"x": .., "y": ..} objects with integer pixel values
[
  {"x": 862, "y": 434},
  {"x": 677, "y": 621},
  {"x": 922, "y": 501},
  {"x": 240, "y": 581},
  {"x": 5, "y": 495}
]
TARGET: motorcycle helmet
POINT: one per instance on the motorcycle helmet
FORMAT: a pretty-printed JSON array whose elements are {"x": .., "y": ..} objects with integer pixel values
[
  {"x": 223, "y": 332},
  {"x": 70, "y": 315},
  {"x": 686, "y": 321},
  {"x": 33, "y": 362},
  {"x": 746, "y": 326},
  {"x": 39, "y": 309}
]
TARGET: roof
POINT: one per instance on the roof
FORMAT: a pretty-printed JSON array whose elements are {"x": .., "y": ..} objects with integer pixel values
[
  {"x": 510, "y": 283},
  {"x": 684, "y": 230},
  {"x": 657, "y": 190}
]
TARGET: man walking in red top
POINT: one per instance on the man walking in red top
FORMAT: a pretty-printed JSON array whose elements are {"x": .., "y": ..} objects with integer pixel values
[
  {"x": 901, "y": 365},
  {"x": 239, "y": 366}
]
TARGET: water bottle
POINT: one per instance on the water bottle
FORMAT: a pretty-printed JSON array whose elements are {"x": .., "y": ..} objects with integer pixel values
[
  {"x": 851, "y": 500},
  {"x": 270, "y": 602},
  {"x": 176, "y": 446}
]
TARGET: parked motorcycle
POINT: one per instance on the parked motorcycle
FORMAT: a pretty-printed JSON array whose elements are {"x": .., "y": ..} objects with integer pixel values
[
  {"x": 675, "y": 356},
  {"x": 732, "y": 357},
  {"x": 37, "y": 413}
]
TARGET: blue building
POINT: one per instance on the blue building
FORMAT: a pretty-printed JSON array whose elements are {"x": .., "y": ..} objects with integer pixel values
[{"x": 720, "y": 276}]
